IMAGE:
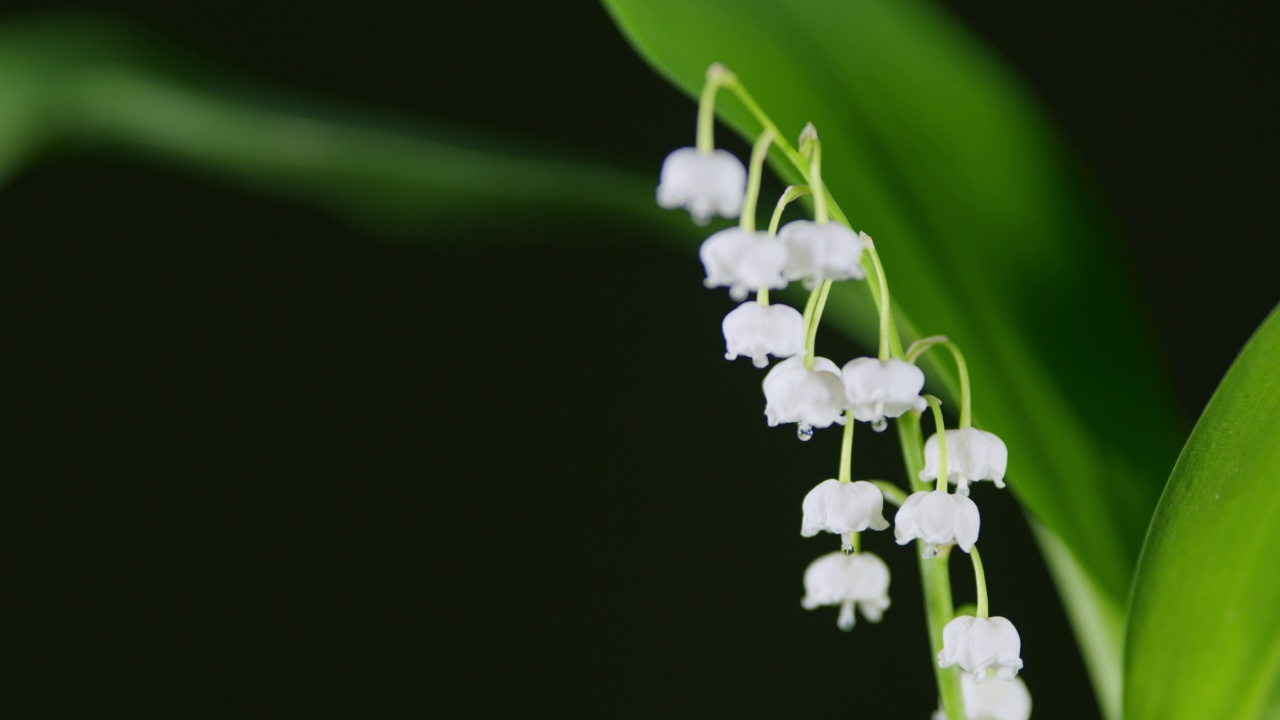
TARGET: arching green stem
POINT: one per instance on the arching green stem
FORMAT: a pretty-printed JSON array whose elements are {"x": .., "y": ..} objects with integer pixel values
[
  {"x": 936, "y": 405},
  {"x": 935, "y": 579},
  {"x": 846, "y": 449},
  {"x": 885, "y": 321},
  {"x": 747, "y": 220},
  {"x": 919, "y": 347},
  {"x": 795, "y": 157},
  {"x": 809, "y": 306},
  {"x": 717, "y": 77},
  {"x": 810, "y": 145},
  {"x": 811, "y": 336},
  {"x": 891, "y": 492},
  {"x": 822, "y": 196},
  {"x": 788, "y": 196},
  {"x": 979, "y": 579}
]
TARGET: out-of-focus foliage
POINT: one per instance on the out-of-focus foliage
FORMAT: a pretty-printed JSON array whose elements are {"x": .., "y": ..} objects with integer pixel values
[
  {"x": 89, "y": 81},
  {"x": 934, "y": 150},
  {"x": 1204, "y": 624}
]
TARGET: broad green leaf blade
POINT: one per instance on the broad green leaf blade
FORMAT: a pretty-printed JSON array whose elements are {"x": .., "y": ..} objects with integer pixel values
[
  {"x": 1204, "y": 624},
  {"x": 933, "y": 149}
]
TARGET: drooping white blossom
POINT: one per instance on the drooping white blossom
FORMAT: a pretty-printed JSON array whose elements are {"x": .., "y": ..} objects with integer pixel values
[
  {"x": 993, "y": 699},
  {"x": 938, "y": 518},
  {"x": 743, "y": 261},
  {"x": 972, "y": 454},
  {"x": 812, "y": 398},
  {"x": 713, "y": 183},
  {"x": 976, "y": 644},
  {"x": 843, "y": 508},
  {"x": 757, "y": 331},
  {"x": 822, "y": 251},
  {"x": 860, "y": 580},
  {"x": 878, "y": 389}
]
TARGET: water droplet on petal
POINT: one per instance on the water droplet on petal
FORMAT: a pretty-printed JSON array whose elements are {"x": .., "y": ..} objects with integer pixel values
[
  {"x": 879, "y": 424},
  {"x": 804, "y": 433}
]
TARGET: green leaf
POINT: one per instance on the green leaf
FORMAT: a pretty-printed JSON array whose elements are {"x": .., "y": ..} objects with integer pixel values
[
  {"x": 90, "y": 82},
  {"x": 1204, "y": 624},
  {"x": 988, "y": 236}
]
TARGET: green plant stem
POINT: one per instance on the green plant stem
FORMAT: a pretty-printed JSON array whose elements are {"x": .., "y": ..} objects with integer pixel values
[
  {"x": 884, "y": 304},
  {"x": 788, "y": 196},
  {"x": 941, "y": 431},
  {"x": 891, "y": 492},
  {"x": 846, "y": 448},
  {"x": 794, "y": 156},
  {"x": 935, "y": 580},
  {"x": 747, "y": 220},
  {"x": 919, "y": 347},
  {"x": 980, "y": 580},
  {"x": 823, "y": 198},
  {"x": 717, "y": 77},
  {"x": 791, "y": 193},
  {"x": 811, "y": 335},
  {"x": 809, "y": 306},
  {"x": 820, "y": 213}
]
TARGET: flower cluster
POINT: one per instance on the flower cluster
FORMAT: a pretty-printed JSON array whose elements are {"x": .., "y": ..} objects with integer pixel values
[{"x": 814, "y": 392}]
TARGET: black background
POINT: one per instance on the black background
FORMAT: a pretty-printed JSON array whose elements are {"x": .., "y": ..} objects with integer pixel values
[{"x": 257, "y": 464}]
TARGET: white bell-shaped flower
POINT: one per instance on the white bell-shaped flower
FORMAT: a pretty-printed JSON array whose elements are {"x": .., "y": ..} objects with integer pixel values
[
  {"x": 879, "y": 389},
  {"x": 757, "y": 331},
  {"x": 713, "y": 183},
  {"x": 860, "y": 580},
  {"x": 742, "y": 261},
  {"x": 843, "y": 508},
  {"x": 993, "y": 699},
  {"x": 938, "y": 518},
  {"x": 794, "y": 394},
  {"x": 972, "y": 454},
  {"x": 822, "y": 251},
  {"x": 976, "y": 644}
]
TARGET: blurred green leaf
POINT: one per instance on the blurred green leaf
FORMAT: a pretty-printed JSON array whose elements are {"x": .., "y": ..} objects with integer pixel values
[
  {"x": 1204, "y": 624},
  {"x": 934, "y": 150},
  {"x": 85, "y": 81}
]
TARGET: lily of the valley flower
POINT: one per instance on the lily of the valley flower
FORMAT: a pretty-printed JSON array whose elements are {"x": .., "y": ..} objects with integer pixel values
[
  {"x": 879, "y": 389},
  {"x": 707, "y": 184},
  {"x": 993, "y": 699},
  {"x": 795, "y": 394},
  {"x": 972, "y": 454},
  {"x": 976, "y": 644},
  {"x": 849, "y": 581},
  {"x": 938, "y": 518},
  {"x": 757, "y": 331},
  {"x": 843, "y": 508},
  {"x": 743, "y": 260},
  {"x": 822, "y": 251}
]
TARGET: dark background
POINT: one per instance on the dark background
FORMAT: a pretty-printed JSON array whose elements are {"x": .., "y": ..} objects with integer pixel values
[{"x": 257, "y": 464}]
